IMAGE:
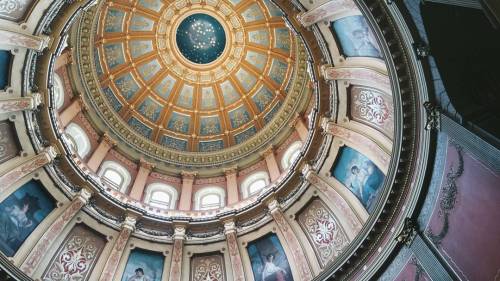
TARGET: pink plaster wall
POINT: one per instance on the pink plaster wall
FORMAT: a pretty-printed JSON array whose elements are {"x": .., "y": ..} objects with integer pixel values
[
  {"x": 282, "y": 149},
  {"x": 132, "y": 167},
  {"x": 471, "y": 244},
  {"x": 82, "y": 121}
]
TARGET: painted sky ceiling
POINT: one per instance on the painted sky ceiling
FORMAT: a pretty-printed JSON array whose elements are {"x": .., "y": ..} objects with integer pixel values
[{"x": 191, "y": 103}]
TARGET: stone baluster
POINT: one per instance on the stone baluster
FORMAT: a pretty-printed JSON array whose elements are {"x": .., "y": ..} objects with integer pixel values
[
  {"x": 234, "y": 251},
  {"x": 54, "y": 231},
  {"x": 27, "y": 167},
  {"x": 297, "y": 255},
  {"x": 100, "y": 153},
  {"x": 137, "y": 190},
  {"x": 176, "y": 264},
  {"x": 114, "y": 257},
  {"x": 9, "y": 105}
]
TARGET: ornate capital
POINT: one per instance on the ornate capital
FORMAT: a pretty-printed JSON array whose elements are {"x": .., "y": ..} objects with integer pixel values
[
  {"x": 179, "y": 232},
  {"x": 129, "y": 222},
  {"x": 267, "y": 152},
  {"x": 188, "y": 175},
  {"x": 231, "y": 170},
  {"x": 52, "y": 152},
  {"x": 433, "y": 116},
  {"x": 229, "y": 226},
  {"x": 297, "y": 118},
  {"x": 408, "y": 232},
  {"x": 84, "y": 195},
  {"x": 326, "y": 125},
  {"x": 307, "y": 171},
  {"x": 146, "y": 165},
  {"x": 108, "y": 140},
  {"x": 274, "y": 206}
]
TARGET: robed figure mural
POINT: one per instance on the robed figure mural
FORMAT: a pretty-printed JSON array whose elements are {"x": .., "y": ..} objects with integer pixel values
[{"x": 268, "y": 259}]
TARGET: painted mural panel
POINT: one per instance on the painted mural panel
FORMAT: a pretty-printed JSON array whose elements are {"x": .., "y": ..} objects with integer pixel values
[
  {"x": 359, "y": 175},
  {"x": 355, "y": 37},
  {"x": 21, "y": 213},
  {"x": 76, "y": 257},
  {"x": 208, "y": 267},
  {"x": 5, "y": 60},
  {"x": 323, "y": 231},
  {"x": 464, "y": 224},
  {"x": 372, "y": 107},
  {"x": 9, "y": 146},
  {"x": 268, "y": 259},
  {"x": 144, "y": 265}
]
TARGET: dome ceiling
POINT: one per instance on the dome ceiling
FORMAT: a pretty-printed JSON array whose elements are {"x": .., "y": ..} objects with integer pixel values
[{"x": 194, "y": 77}]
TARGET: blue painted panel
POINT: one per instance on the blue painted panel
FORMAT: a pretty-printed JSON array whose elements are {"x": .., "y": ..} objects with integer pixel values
[
  {"x": 144, "y": 265},
  {"x": 114, "y": 54},
  {"x": 174, "y": 143},
  {"x": 21, "y": 213},
  {"x": 150, "y": 109},
  {"x": 186, "y": 97},
  {"x": 262, "y": 98},
  {"x": 114, "y": 20},
  {"x": 268, "y": 259},
  {"x": 207, "y": 146},
  {"x": 179, "y": 123},
  {"x": 140, "y": 47},
  {"x": 253, "y": 13},
  {"x": 127, "y": 86},
  {"x": 164, "y": 88},
  {"x": 243, "y": 136},
  {"x": 278, "y": 71},
  {"x": 239, "y": 117},
  {"x": 141, "y": 23},
  {"x": 246, "y": 79},
  {"x": 356, "y": 38},
  {"x": 148, "y": 70},
  {"x": 359, "y": 174},
  {"x": 112, "y": 99},
  {"x": 208, "y": 99},
  {"x": 259, "y": 37},
  {"x": 210, "y": 125},
  {"x": 140, "y": 127},
  {"x": 270, "y": 115},
  {"x": 5, "y": 59}
]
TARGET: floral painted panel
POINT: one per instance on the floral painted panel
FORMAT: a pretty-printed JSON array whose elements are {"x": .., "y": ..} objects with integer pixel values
[
  {"x": 323, "y": 230},
  {"x": 208, "y": 267},
  {"x": 9, "y": 147},
  {"x": 76, "y": 257},
  {"x": 372, "y": 107}
]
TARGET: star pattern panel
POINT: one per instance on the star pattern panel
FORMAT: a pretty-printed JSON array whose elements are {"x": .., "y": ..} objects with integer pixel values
[{"x": 194, "y": 75}]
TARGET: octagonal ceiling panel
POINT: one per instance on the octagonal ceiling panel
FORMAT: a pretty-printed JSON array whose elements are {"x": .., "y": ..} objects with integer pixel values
[{"x": 194, "y": 75}]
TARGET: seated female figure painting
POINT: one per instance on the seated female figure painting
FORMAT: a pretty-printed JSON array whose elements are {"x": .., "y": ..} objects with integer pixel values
[
  {"x": 143, "y": 265},
  {"x": 359, "y": 174},
  {"x": 21, "y": 213},
  {"x": 269, "y": 262}
]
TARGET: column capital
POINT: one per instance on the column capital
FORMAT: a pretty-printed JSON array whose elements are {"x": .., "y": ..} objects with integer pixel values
[
  {"x": 326, "y": 125},
  {"x": 108, "y": 140},
  {"x": 274, "y": 206},
  {"x": 84, "y": 195},
  {"x": 81, "y": 102},
  {"x": 231, "y": 170},
  {"x": 146, "y": 165},
  {"x": 296, "y": 118},
  {"x": 186, "y": 175},
  {"x": 179, "y": 232},
  {"x": 268, "y": 151},
  {"x": 229, "y": 226},
  {"x": 52, "y": 152},
  {"x": 307, "y": 170},
  {"x": 129, "y": 222}
]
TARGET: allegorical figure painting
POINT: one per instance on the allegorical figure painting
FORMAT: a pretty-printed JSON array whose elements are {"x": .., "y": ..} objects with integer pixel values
[
  {"x": 359, "y": 174},
  {"x": 268, "y": 259},
  {"x": 143, "y": 265},
  {"x": 21, "y": 213},
  {"x": 355, "y": 37}
]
